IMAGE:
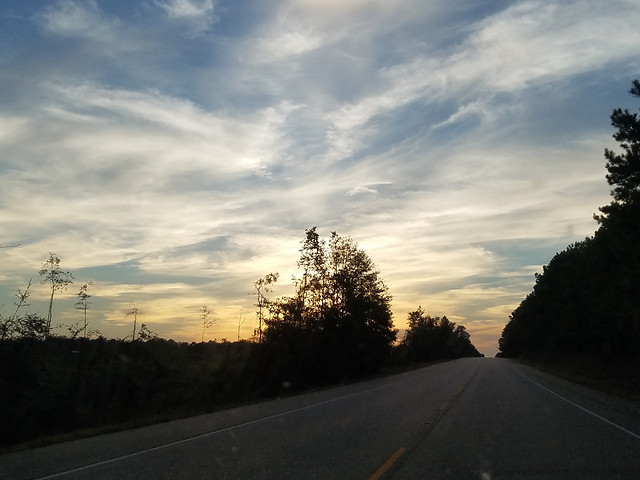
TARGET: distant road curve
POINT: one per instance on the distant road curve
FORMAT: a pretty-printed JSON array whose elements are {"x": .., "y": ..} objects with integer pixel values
[{"x": 472, "y": 418}]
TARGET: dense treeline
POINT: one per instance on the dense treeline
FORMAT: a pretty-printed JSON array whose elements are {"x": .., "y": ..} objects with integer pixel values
[
  {"x": 435, "y": 338},
  {"x": 586, "y": 302},
  {"x": 57, "y": 385},
  {"x": 336, "y": 327}
]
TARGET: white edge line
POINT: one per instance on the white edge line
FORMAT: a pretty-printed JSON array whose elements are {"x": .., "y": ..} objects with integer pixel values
[
  {"x": 619, "y": 427},
  {"x": 208, "y": 434}
]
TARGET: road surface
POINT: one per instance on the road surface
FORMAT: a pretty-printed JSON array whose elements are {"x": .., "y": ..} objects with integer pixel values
[{"x": 476, "y": 418}]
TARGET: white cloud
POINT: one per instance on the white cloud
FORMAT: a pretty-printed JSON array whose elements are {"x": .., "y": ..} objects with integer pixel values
[
  {"x": 198, "y": 13},
  {"x": 140, "y": 171},
  {"x": 479, "y": 108},
  {"x": 168, "y": 134},
  {"x": 187, "y": 8},
  {"x": 80, "y": 20},
  {"x": 361, "y": 189},
  {"x": 525, "y": 45},
  {"x": 285, "y": 44},
  {"x": 539, "y": 41}
]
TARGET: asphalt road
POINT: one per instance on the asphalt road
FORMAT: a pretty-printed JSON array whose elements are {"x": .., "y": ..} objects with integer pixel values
[{"x": 466, "y": 419}]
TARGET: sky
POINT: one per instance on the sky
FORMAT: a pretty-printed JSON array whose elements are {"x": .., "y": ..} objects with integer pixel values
[{"x": 172, "y": 152}]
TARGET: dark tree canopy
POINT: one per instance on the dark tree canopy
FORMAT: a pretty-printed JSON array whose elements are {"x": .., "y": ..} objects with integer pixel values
[
  {"x": 435, "y": 338},
  {"x": 586, "y": 302},
  {"x": 624, "y": 168},
  {"x": 339, "y": 320}
]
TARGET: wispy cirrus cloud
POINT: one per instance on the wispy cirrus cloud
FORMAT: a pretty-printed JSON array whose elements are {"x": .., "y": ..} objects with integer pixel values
[
  {"x": 80, "y": 20},
  {"x": 145, "y": 154},
  {"x": 520, "y": 47},
  {"x": 197, "y": 13}
]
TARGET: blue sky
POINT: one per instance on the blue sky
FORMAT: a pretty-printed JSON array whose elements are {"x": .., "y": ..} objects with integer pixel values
[{"x": 174, "y": 151}]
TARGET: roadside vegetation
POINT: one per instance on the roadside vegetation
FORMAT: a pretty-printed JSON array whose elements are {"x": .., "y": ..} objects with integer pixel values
[
  {"x": 583, "y": 316},
  {"x": 337, "y": 327}
]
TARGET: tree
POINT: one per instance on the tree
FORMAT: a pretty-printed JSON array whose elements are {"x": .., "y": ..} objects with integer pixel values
[
  {"x": 585, "y": 302},
  {"x": 624, "y": 168},
  {"x": 9, "y": 325},
  {"x": 206, "y": 321},
  {"x": 134, "y": 312},
  {"x": 32, "y": 325},
  {"x": 241, "y": 320},
  {"x": 57, "y": 279},
  {"x": 22, "y": 297},
  {"x": 83, "y": 304},
  {"x": 312, "y": 285},
  {"x": 262, "y": 286},
  {"x": 339, "y": 322},
  {"x": 145, "y": 334},
  {"x": 433, "y": 338}
]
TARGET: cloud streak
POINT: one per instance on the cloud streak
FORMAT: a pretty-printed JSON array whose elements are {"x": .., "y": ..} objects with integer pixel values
[{"x": 76, "y": 20}]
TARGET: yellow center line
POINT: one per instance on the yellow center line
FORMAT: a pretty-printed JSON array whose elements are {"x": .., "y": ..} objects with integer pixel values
[{"x": 388, "y": 464}]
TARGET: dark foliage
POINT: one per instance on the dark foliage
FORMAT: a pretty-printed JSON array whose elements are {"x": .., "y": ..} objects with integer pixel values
[
  {"x": 54, "y": 385},
  {"x": 436, "y": 338},
  {"x": 624, "y": 168},
  {"x": 338, "y": 325},
  {"x": 586, "y": 302},
  {"x": 59, "y": 385}
]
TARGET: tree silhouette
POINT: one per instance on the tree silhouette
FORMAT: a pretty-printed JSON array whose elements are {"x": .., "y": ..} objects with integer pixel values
[
  {"x": 624, "y": 168},
  {"x": 134, "y": 313},
  {"x": 206, "y": 321},
  {"x": 145, "y": 334},
  {"x": 241, "y": 320},
  {"x": 262, "y": 286},
  {"x": 339, "y": 321},
  {"x": 83, "y": 304},
  {"x": 57, "y": 279},
  {"x": 32, "y": 325},
  {"x": 433, "y": 338},
  {"x": 586, "y": 301},
  {"x": 9, "y": 326},
  {"x": 311, "y": 287}
]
